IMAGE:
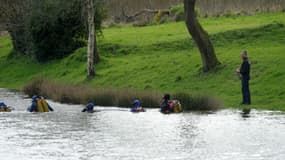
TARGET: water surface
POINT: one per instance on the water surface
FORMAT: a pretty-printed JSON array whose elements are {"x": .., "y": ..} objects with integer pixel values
[{"x": 113, "y": 133}]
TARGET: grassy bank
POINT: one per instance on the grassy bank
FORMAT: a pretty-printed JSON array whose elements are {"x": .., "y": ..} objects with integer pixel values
[{"x": 164, "y": 59}]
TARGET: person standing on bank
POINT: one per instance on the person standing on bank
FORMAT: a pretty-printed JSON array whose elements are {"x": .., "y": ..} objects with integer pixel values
[{"x": 244, "y": 74}]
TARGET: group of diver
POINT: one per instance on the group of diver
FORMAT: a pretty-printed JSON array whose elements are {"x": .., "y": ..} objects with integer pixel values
[
  {"x": 167, "y": 106},
  {"x": 39, "y": 104}
]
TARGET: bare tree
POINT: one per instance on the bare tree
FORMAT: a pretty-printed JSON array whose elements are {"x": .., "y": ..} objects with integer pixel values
[
  {"x": 91, "y": 38},
  {"x": 200, "y": 36}
]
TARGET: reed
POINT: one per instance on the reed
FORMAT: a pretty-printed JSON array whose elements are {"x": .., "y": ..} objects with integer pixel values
[
  {"x": 79, "y": 94},
  {"x": 192, "y": 102}
]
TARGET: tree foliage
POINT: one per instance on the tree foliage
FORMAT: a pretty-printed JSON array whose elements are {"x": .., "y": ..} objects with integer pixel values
[{"x": 48, "y": 29}]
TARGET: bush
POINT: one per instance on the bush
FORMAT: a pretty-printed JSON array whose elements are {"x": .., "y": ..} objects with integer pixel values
[{"x": 52, "y": 29}]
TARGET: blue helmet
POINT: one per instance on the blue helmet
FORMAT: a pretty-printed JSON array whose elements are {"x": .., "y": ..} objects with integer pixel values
[
  {"x": 2, "y": 104},
  {"x": 136, "y": 102},
  {"x": 90, "y": 106},
  {"x": 166, "y": 97},
  {"x": 34, "y": 97}
]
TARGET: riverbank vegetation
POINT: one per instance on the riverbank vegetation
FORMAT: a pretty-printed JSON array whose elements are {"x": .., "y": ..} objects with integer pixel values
[
  {"x": 164, "y": 59},
  {"x": 80, "y": 94}
]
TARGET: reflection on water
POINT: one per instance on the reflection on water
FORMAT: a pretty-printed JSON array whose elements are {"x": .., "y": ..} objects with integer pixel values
[{"x": 112, "y": 133}]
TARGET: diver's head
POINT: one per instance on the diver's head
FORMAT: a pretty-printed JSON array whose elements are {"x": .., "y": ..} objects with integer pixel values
[
  {"x": 136, "y": 102},
  {"x": 166, "y": 97}
]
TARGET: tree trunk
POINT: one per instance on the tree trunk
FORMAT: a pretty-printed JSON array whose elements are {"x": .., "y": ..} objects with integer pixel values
[
  {"x": 96, "y": 52},
  {"x": 91, "y": 39},
  {"x": 200, "y": 36}
]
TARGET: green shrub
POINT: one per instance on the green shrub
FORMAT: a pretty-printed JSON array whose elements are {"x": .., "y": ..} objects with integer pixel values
[{"x": 52, "y": 29}]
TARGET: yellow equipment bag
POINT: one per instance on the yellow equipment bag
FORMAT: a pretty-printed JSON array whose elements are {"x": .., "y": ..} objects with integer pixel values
[
  {"x": 177, "y": 107},
  {"x": 45, "y": 105},
  {"x": 40, "y": 106}
]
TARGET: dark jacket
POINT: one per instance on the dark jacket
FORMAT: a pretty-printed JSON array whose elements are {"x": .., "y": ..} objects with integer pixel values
[
  {"x": 245, "y": 70},
  {"x": 33, "y": 107},
  {"x": 89, "y": 107},
  {"x": 2, "y": 105},
  {"x": 164, "y": 107}
]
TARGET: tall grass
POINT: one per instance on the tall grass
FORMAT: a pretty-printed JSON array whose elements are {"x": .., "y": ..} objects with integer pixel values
[
  {"x": 197, "y": 102},
  {"x": 75, "y": 94}
]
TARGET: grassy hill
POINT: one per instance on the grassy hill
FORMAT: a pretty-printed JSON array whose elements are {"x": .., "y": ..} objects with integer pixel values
[{"x": 164, "y": 58}]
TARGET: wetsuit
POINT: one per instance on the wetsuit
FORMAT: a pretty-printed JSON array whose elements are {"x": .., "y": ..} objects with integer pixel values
[
  {"x": 164, "y": 107},
  {"x": 89, "y": 108},
  {"x": 3, "y": 105},
  {"x": 33, "y": 107},
  {"x": 245, "y": 77}
]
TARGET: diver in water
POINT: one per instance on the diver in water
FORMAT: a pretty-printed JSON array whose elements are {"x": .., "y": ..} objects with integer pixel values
[
  {"x": 137, "y": 106},
  {"x": 89, "y": 107},
  {"x": 164, "y": 106},
  {"x": 35, "y": 101},
  {"x": 34, "y": 105},
  {"x": 3, "y": 107}
]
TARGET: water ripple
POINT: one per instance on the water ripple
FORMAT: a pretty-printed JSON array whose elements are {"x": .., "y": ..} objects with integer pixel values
[{"x": 114, "y": 133}]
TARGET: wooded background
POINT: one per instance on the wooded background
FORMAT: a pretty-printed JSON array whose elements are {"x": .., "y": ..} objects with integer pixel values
[
  {"x": 121, "y": 8},
  {"x": 206, "y": 7}
]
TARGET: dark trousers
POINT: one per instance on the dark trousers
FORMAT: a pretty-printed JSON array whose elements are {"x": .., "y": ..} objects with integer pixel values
[{"x": 246, "y": 99}]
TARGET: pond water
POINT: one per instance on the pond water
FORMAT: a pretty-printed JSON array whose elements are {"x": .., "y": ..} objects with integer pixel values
[{"x": 113, "y": 133}]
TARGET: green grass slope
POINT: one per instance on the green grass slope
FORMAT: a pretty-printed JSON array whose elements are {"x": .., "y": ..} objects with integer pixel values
[{"x": 164, "y": 58}]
